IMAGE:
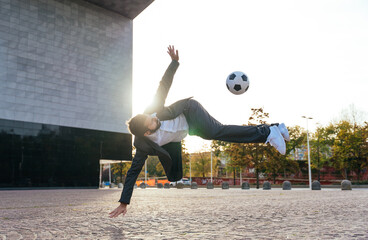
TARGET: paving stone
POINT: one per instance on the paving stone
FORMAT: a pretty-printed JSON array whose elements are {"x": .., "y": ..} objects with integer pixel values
[{"x": 185, "y": 214}]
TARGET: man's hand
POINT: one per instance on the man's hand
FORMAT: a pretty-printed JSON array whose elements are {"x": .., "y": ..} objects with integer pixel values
[
  {"x": 122, "y": 209},
  {"x": 173, "y": 54}
]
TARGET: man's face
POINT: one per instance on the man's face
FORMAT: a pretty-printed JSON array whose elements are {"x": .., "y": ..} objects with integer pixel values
[{"x": 152, "y": 124}]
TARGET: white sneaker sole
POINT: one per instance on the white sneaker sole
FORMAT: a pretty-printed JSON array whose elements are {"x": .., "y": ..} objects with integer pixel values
[
  {"x": 277, "y": 140},
  {"x": 284, "y": 132}
]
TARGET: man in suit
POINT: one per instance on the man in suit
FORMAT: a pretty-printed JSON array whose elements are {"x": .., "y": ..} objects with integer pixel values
[{"x": 159, "y": 131}]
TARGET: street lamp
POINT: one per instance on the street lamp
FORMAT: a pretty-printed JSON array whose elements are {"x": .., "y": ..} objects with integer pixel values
[
  {"x": 309, "y": 163},
  {"x": 145, "y": 172},
  {"x": 211, "y": 165},
  {"x": 190, "y": 168}
]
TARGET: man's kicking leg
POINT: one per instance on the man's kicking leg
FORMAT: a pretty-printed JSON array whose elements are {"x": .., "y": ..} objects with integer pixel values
[{"x": 202, "y": 124}]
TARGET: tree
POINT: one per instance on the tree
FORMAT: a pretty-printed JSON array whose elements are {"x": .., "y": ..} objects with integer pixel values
[
  {"x": 320, "y": 150},
  {"x": 353, "y": 115},
  {"x": 273, "y": 163},
  {"x": 152, "y": 163},
  {"x": 350, "y": 148},
  {"x": 297, "y": 138},
  {"x": 185, "y": 158},
  {"x": 358, "y": 149},
  {"x": 246, "y": 154},
  {"x": 257, "y": 151},
  {"x": 201, "y": 163},
  {"x": 276, "y": 163},
  {"x": 218, "y": 150},
  {"x": 238, "y": 157},
  {"x": 160, "y": 170},
  {"x": 120, "y": 169}
]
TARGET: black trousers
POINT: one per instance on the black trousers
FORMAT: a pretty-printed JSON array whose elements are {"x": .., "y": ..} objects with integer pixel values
[{"x": 202, "y": 124}]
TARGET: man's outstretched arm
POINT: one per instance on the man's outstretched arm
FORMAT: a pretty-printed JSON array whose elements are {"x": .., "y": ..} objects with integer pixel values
[
  {"x": 165, "y": 83},
  {"x": 174, "y": 54},
  {"x": 132, "y": 174},
  {"x": 122, "y": 209}
]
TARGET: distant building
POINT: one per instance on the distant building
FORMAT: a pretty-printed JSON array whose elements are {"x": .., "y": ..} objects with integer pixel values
[
  {"x": 299, "y": 154},
  {"x": 65, "y": 89}
]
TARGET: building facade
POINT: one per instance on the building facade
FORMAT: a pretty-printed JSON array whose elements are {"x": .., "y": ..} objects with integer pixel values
[{"x": 65, "y": 89}]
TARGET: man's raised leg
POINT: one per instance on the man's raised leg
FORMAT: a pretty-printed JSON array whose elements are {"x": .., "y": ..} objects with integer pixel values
[{"x": 202, "y": 124}]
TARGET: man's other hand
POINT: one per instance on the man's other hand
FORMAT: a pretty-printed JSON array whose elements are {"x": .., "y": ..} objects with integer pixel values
[
  {"x": 173, "y": 54},
  {"x": 122, "y": 209}
]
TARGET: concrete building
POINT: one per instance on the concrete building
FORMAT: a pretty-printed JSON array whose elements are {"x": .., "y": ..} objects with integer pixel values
[{"x": 65, "y": 89}]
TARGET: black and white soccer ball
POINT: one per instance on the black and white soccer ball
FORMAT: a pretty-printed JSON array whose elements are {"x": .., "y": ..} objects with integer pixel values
[{"x": 237, "y": 83}]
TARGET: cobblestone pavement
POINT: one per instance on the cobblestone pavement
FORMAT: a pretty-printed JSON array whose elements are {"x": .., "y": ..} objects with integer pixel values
[{"x": 185, "y": 214}]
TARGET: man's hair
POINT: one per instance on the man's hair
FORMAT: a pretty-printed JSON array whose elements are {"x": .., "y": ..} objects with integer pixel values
[{"x": 136, "y": 125}]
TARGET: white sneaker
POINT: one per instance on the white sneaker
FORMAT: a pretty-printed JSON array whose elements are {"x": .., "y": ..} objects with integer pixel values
[
  {"x": 276, "y": 140},
  {"x": 284, "y": 132}
]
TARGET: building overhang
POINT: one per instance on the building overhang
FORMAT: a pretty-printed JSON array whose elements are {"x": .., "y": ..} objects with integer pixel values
[{"x": 127, "y": 8}]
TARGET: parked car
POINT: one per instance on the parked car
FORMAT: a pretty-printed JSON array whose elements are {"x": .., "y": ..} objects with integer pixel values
[{"x": 184, "y": 181}]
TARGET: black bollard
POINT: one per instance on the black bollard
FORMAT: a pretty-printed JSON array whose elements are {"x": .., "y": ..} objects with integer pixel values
[
  {"x": 346, "y": 185},
  {"x": 286, "y": 185},
  {"x": 210, "y": 185},
  {"x": 266, "y": 185},
  {"x": 245, "y": 185},
  {"x": 225, "y": 185},
  {"x": 316, "y": 185}
]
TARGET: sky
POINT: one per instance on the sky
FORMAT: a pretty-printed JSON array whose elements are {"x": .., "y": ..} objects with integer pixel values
[{"x": 302, "y": 58}]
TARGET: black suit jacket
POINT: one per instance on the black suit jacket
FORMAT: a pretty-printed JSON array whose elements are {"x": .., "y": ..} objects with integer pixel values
[{"x": 169, "y": 154}]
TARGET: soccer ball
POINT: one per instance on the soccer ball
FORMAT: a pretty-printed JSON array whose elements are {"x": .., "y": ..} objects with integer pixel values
[{"x": 237, "y": 83}]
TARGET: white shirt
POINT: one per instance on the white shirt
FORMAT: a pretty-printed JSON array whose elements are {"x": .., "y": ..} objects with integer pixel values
[{"x": 173, "y": 130}]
